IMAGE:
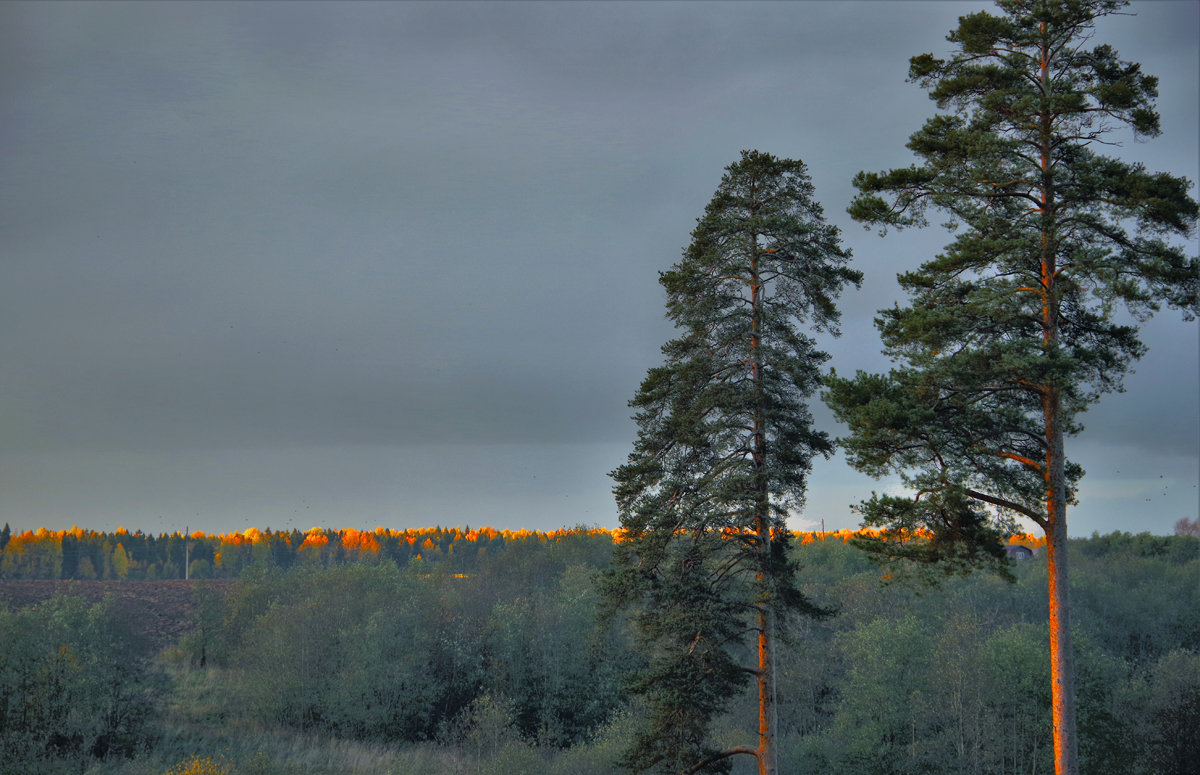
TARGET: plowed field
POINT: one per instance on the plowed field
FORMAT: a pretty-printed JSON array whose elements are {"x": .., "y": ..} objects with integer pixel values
[{"x": 158, "y": 610}]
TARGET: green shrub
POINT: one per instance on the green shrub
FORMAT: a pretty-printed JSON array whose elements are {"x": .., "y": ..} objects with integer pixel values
[{"x": 74, "y": 685}]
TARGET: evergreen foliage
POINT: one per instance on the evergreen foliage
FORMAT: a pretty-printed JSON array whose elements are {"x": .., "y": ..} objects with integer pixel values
[
  {"x": 1030, "y": 314},
  {"x": 725, "y": 443}
]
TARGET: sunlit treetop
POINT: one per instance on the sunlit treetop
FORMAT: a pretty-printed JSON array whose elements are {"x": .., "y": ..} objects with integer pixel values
[{"x": 460, "y": 534}]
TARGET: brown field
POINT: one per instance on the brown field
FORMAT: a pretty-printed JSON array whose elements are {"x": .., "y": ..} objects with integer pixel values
[{"x": 159, "y": 610}]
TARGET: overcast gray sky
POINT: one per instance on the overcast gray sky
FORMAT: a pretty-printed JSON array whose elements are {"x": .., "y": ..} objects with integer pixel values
[{"x": 296, "y": 264}]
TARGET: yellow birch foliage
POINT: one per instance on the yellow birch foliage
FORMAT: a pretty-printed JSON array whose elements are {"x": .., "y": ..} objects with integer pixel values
[{"x": 201, "y": 766}]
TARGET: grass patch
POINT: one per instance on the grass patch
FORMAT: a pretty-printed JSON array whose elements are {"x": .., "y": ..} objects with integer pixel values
[{"x": 202, "y": 731}]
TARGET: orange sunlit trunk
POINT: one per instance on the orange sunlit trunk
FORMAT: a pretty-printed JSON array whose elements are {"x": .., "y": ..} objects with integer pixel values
[
  {"x": 765, "y": 674},
  {"x": 766, "y": 694},
  {"x": 1062, "y": 662}
]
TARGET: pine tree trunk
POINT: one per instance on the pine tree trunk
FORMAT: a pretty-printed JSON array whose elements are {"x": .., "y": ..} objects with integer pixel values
[
  {"x": 766, "y": 693},
  {"x": 766, "y": 632},
  {"x": 1062, "y": 661},
  {"x": 1062, "y": 657}
]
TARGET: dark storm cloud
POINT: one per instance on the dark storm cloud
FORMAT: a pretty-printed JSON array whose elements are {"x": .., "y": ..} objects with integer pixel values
[
  {"x": 302, "y": 228},
  {"x": 319, "y": 201}
]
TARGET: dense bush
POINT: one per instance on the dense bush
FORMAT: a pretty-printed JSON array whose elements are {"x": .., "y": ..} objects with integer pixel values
[
  {"x": 386, "y": 653},
  {"x": 73, "y": 686},
  {"x": 956, "y": 679}
]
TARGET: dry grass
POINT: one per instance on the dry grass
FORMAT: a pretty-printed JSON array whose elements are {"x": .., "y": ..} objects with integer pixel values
[{"x": 201, "y": 733}]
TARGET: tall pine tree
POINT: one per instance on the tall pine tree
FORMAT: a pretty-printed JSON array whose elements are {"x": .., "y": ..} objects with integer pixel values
[
  {"x": 724, "y": 447},
  {"x": 1015, "y": 329}
]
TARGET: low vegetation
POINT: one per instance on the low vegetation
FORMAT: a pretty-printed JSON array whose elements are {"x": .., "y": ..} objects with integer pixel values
[{"x": 375, "y": 667}]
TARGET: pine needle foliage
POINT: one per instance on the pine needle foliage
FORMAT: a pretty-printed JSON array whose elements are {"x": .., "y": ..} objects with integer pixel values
[
  {"x": 724, "y": 447},
  {"x": 1030, "y": 314}
]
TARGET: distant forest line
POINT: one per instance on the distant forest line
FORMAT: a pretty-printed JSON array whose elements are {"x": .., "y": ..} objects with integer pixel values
[{"x": 87, "y": 555}]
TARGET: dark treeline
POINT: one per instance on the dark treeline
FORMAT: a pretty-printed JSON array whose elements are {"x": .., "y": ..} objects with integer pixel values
[
  {"x": 506, "y": 668},
  {"x": 84, "y": 555}
]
